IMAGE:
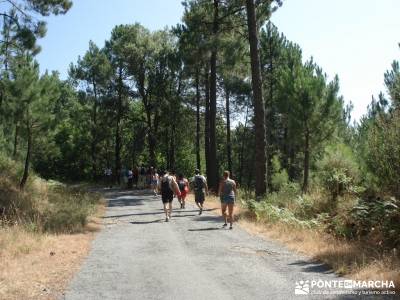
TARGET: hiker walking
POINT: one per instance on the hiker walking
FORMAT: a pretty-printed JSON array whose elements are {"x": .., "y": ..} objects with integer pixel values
[
  {"x": 227, "y": 194},
  {"x": 154, "y": 180},
  {"x": 167, "y": 186},
  {"x": 200, "y": 188},
  {"x": 130, "y": 179},
  {"x": 183, "y": 184}
]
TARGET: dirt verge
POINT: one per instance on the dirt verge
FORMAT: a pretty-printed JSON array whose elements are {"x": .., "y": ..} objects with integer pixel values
[{"x": 40, "y": 266}]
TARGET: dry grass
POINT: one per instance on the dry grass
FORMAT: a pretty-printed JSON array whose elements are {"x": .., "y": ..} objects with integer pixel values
[
  {"x": 348, "y": 258},
  {"x": 39, "y": 266}
]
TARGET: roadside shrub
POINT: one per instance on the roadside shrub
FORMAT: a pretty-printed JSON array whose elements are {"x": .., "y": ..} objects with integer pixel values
[
  {"x": 10, "y": 169},
  {"x": 42, "y": 205},
  {"x": 378, "y": 217},
  {"x": 266, "y": 212},
  {"x": 69, "y": 209},
  {"x": 65, "y": 218},
  {"x": 339, "y": 171},
  {"x": 280, "y": 177},
  {"x": 340, "y": 225},
  {"x": 305, "y": 207},
  {"x": 285, "y": 197},
  {"x": 16, "y": 205},
  {"x": 383, "y": 156}
]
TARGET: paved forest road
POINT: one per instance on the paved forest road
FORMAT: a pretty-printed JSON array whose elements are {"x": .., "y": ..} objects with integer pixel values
[{"x": 140, "y": 256}]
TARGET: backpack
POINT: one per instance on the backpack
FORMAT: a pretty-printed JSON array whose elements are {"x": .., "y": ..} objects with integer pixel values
[
  {"x": 181, "y": 185},
  {"x": 198, "y": 183},
  {"x": 165, "y": 188}
]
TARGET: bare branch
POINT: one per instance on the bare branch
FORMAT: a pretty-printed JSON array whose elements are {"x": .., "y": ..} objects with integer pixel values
[
  {"x": 16, "y": 6},
  {"x": 15, "y": 20}
]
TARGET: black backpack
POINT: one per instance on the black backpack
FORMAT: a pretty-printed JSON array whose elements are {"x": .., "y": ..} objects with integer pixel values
[
  {"x": 198, "y": 183},
  {"x": 165, "y": 188},
  {"x": 181, "y": 185}
]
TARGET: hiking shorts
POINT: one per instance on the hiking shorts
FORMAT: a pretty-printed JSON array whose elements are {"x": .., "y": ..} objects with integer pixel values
[
  {"x": 167, "y": 199},
  {"x": 227, "y": 199},
  {"x": 199, "y": 197}
]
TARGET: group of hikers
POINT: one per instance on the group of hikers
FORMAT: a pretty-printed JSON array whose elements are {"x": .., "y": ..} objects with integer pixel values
[
  {"x": 139, "y": 177},
  {"x": 168, "y": 185}
]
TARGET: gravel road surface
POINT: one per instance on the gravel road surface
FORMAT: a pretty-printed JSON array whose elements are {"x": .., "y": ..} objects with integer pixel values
[{"x": 139, "y": 256}]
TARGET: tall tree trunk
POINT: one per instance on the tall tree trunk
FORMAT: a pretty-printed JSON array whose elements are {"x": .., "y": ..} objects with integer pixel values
[
  {"x": 213, "y": 179},
  {"x": 16, "y": 135},
  {"x": 292, "y": 166},
  {"x": 259, "y": 111},
  {"x": 173, "y": 147},
  {"x": 6, "y": 26},
  {"x": 151, "y": 132},
  {"x": 168, "y": 151},
  {"x": 228, "y": 130},
  {"x": 270, "y": 111},
  {"x": 108, "y": 154},
  {"x": 285, "y": 146},
  {"x": 306, "y": 161},
  {"x": 207, "y": 122},
  {"x": 94, "y": 135},
  {"x": 241, "y": 155},
  {"x": 118, "y": 152},
  {"x": 133, "y": 159},
  {"x": 118, "y": 130},
  {"x": 27, "y": 158},
  {"x": 152, "y": 148},
  {"x": 198, "y": 160}
]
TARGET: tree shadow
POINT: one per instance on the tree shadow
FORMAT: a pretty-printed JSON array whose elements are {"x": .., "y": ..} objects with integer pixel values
[
  {"x": 192, "y": 210},
  {"x": 146, "y": 222},
  {"x": 211, "y": 209},
  {"x": 216, "y": 219},
  {"x": 124, "y": 201},
  {"x": 178, "y": 210},
  {"x": 313, "y": 266},
  {"x": 129, "y": 215},
  {"x": 206, "y": 229},
  {"x": 180, "y": 216}
]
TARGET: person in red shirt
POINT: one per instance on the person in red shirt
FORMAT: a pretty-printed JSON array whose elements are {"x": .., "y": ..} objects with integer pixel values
[{"x": 183, "y": 184}]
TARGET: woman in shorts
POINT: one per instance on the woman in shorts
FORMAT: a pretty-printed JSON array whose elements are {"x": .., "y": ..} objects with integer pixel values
[{"x": 227, "y": 194}]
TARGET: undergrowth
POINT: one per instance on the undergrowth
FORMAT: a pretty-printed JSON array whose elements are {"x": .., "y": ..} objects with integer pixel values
[{"x": 42, "y": 206}]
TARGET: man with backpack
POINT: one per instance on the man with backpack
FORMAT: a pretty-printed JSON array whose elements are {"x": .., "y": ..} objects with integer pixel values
[
  {"x": 200, "y": 188},
  {"x": 167, "y": 186}
]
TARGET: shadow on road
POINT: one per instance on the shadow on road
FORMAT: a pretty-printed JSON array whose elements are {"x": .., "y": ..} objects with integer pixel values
[
  {"x": 216, "y": 219},
  {"x": 313, "y": 266},
  {"x": 146, "y": 222},
  {"x": 194, "y": 210},
  {"x": 126, "y": 201},
  {"x": 180, "y": 216},
  {"x": 205, "y": 229},
  {"x": 129, "y": 215},
  {"x": 124, "y": 198},
  {"x": 185, "y": 211}
]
